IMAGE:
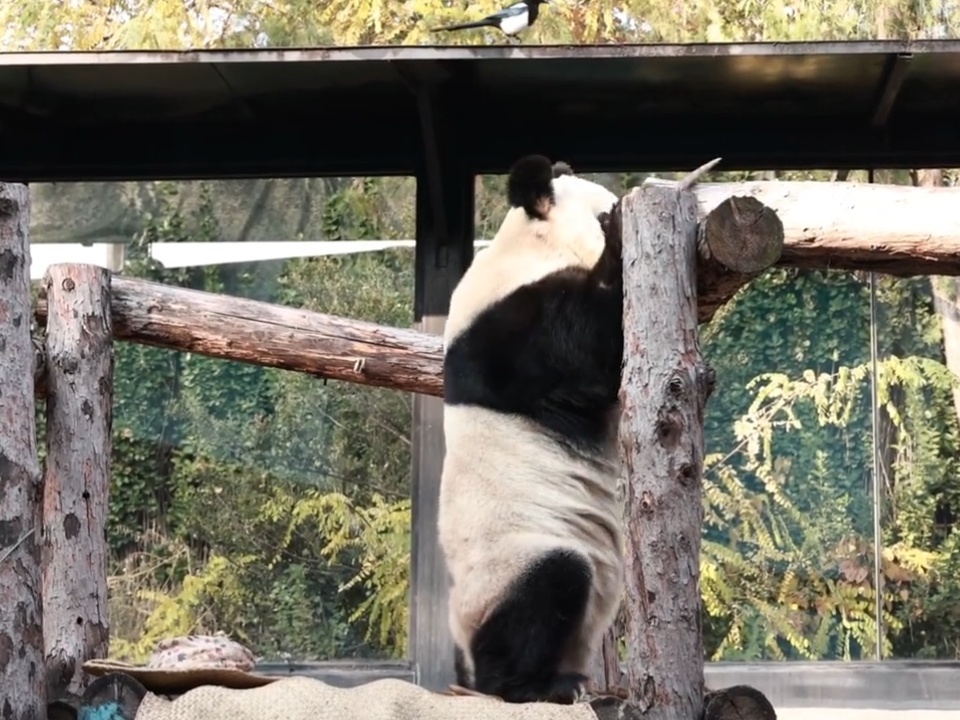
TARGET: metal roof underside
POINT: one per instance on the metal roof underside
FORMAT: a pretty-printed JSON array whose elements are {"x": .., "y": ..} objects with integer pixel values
[{"x": 381, "y": 110}]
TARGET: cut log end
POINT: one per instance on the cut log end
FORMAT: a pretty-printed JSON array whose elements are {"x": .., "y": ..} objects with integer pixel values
[
  {"x": 739, "y": 702},
  {"x": 742, "y": 234}
]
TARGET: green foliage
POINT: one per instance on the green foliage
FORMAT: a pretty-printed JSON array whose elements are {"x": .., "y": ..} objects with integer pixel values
[
  {"x": 787, "y": 559},
  {"x": 270, "y": 505},
  {"x": 378, "y": 535}
]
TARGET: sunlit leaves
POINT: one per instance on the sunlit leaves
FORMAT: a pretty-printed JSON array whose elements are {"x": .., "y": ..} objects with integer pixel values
[{"x": 175, "y": 24}]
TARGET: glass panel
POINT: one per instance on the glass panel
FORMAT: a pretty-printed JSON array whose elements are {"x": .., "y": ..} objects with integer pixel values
[
  {"x": 787, "y": 560},
  {"x": 267, "y": 504},
  {"x": 919, "y": 342}
]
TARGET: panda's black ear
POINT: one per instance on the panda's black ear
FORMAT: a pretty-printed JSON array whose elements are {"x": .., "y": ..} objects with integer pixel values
[
  {"x": 561, "y": 168},
  {"x": 530, "y": 185}
]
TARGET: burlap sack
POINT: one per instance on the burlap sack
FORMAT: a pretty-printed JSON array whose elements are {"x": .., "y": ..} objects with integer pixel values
[{"x": 300, "y": 698}]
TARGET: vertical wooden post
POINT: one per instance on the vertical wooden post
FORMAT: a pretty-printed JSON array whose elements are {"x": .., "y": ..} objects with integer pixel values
[
  {"x": 79, "y": 351},
  {"x": 665, "y": 388},
  {"x": 22, "y": 690},
  {"x": 441, "y": 259}
]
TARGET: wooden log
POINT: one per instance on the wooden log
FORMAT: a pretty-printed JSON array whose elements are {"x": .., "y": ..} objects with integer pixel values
[
  {"x": 79, "y": 353},
  {"x": 664, "y": 391},
  {"x": 232, "y": 328},
  {"x": 740, "y": 702},
  {"x": 737, "y": 240},
  {"x": 22, "y": 688},
  {"x": 892, "y": 229}
]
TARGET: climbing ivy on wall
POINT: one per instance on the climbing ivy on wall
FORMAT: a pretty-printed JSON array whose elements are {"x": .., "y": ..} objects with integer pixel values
[{"x": 788, "y": 546}]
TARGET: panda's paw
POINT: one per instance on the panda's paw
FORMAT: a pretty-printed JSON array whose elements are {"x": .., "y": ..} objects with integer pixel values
[{"x": 567, "y": 688}]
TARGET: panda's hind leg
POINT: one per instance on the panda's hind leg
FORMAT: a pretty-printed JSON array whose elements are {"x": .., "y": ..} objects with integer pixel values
[
  {"x": 518, "y": 651},
  {"x": 460, "y": 667}
]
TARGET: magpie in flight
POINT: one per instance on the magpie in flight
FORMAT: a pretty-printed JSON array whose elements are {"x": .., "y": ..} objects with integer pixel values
[{"x": 509, "y": 21}]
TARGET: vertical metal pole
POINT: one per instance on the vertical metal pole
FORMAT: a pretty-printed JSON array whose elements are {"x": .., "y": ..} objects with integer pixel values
[{"x": 877, "y": 497}]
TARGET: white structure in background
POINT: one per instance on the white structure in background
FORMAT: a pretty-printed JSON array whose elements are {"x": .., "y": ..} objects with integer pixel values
[
  {"x": 195, "y": 254},
  {"x": 42, "y": 255}
]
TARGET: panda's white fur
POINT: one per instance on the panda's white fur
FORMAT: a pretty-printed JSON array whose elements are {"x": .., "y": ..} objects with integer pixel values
[
  {"x": 525, "y": 250},
  {"x": 531, "y": 463}
]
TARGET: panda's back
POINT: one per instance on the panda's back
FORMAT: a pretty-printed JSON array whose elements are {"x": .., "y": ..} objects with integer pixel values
[
  {"x": 529, "y": 523},
  {"x": 504, "y": 479}
]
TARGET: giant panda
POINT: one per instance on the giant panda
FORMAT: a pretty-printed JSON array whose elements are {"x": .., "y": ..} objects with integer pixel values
[{"x": 529, "y": 519}]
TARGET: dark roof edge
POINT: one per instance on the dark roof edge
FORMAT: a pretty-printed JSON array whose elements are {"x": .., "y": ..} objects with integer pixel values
[{"x": 471, "y": 52}]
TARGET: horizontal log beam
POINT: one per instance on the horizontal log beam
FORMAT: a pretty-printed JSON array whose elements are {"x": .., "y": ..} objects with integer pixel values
[
  {"x": 232, "y": 328},
  {"x": 737, "y": 240},
  {"x": 892, "y": 229}
]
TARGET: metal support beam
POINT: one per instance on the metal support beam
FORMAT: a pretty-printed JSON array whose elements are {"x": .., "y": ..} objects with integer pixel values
[
  {"x": 47, "y": 153},
  {"x": 893, "y": 77},
  {"x": 423, "y": 83},
  {"x": 444, "y": 249}
]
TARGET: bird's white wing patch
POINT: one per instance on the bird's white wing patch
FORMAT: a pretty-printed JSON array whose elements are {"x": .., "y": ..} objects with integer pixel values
[{"x": 514, "y": 23}]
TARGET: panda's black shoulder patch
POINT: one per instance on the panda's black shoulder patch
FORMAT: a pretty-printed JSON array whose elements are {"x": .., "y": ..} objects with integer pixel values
[
  {"x": 530, "y": 185},
  {"x": 561, "y": 168}
]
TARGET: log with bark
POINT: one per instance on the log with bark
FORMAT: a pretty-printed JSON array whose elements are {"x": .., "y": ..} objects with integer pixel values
[
  {"x": 22, "y": 688},
  {"x": 232, "y": 328},
  {"x": 737, "y": 240},
  {"x": 891, "y": 229},
  {"x": 663, "y": 396},
  {"x": 664, "y": 391},
  {"x": 79, "y": 356},
  {"x": 739, "y": 702}
]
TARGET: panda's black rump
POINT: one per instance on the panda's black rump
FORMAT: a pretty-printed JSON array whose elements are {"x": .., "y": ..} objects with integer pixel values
[{"x": 530, "y": 185}]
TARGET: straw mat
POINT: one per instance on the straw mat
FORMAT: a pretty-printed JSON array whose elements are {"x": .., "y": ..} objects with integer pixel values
[{"x": 302, "y": 698}]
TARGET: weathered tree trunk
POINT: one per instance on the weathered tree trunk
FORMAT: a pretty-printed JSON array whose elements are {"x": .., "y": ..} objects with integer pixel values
[
  {"x": 79, "y": 353},
  {"x": 665, "y": 388},
  {"x": 22, "y": 690},
  {"x": 664, "y": 392}
]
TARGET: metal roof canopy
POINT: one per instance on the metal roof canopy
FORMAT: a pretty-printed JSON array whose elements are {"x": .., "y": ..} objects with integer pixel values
[{"x": 388, "y": 110}]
